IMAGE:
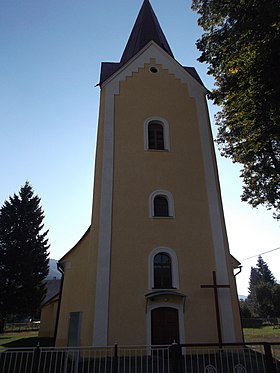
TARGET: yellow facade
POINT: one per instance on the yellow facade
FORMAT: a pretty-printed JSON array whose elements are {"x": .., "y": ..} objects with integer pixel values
[
  {"x": 48, "y": 319},
  {"x": 144, "y": 172},
  {"x": 108, "y": 276}
]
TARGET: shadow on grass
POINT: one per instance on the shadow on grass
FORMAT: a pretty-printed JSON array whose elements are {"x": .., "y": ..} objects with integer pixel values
[{"x": 29, "y": 342}]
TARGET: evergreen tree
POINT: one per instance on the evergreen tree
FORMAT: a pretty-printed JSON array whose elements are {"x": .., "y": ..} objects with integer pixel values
[
  {"x": 23, "y": 255},
  {"x": 241, "y": 45},
  {"x": 263, "y": 291},
  {"x": 254, "y": 280},
  {"x": 264, "y": 272}
]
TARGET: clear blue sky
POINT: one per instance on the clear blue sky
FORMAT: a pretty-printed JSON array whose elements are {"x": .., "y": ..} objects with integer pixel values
[{"x": 51, "y": 52}]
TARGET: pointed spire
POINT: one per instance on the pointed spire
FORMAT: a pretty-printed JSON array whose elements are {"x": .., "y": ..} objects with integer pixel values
[{"x": 146, "y": 28}]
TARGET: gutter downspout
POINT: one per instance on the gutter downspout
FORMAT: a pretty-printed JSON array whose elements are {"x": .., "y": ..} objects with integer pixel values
[
  {"x": 240, "y": 269},
  {"x": 60, "y": 269},
  {"x": 237, "y": 273}
]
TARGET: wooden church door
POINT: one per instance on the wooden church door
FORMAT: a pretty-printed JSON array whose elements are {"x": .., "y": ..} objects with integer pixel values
[{"x": 165, "y": 326}]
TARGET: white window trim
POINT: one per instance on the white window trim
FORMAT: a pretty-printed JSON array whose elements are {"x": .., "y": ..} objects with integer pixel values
[
  {"x": 166, "y": 136},
  {"x": 170, "y": 200},
  {"x": 174, "y": 267}
]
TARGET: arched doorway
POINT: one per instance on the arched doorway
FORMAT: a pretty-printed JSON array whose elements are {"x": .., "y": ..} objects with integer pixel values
[{"x": 164, "y": 326}]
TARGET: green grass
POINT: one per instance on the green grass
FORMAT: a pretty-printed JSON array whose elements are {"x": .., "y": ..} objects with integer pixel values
[
  {"x": 23, "y": 339},
  {"x": 263, "y": 334},
  {"x": 31, "y": 339}
]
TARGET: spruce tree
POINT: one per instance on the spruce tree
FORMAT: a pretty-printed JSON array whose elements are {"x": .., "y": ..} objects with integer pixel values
[
  {"x": 254, "y": 280},
  {"x": 23, "y": 255},
  {"x": 264, "y": 272},
  {"x": 263, "y": 290}
]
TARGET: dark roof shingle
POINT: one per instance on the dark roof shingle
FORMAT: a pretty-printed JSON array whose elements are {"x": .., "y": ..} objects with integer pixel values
[{"x": 146, "y": 28}]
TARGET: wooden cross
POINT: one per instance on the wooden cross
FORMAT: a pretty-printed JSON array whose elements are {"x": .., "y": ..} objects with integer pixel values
[{"x": 215, "y": 287}]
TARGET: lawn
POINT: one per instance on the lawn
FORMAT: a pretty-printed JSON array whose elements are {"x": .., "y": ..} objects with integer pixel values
[
  {"x": 23, "y": 339},
  {"x": 31, "y": 339},
  {"x": 262, "y": 334}
]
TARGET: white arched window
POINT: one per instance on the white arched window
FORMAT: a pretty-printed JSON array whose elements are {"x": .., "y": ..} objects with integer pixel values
[
  {"x": 161, "y": 204},
  {"x": 163, "y": 269},
  {"x": 156, "y": 134}
]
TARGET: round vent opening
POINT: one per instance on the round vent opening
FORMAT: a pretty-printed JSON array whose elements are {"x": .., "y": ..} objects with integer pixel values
[{"x": 153, "y": 70}]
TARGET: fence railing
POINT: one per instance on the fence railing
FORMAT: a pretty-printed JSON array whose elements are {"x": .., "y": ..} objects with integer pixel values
[
  {"x": 258, "y": 322},
  {"x": 226, "y": 358},
  {"x": 21, "y": 327}
]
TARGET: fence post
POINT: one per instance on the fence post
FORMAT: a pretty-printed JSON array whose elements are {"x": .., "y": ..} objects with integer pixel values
[
  {"x": 268, "y": 358},
  {"x": 115, "y": 359},
  {"x": 175, "y": 357},
  {"x": 36, "y": 358}
]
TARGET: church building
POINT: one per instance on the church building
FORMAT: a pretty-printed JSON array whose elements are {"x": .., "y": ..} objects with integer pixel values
[{"x": 154, "y": 266}]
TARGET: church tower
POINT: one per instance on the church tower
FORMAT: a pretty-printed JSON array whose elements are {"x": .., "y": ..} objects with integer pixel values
[{"x": 145, "y": 270}]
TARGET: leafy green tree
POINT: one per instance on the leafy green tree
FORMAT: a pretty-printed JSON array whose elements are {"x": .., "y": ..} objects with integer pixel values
[
  {"x": 23, "y": 255},
  {"x": 276, "y": 299},
  {"x": 268, "y": 299},
  {"x": 241, "y": 45},
  {"x": 264, "y": 306},
  {"x": 245, "y": 311}
]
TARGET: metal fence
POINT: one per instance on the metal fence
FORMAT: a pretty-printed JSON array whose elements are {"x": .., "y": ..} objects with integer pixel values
[
  {"x": 226, "y": 358},
  {"x": 22, "y": 327}
]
